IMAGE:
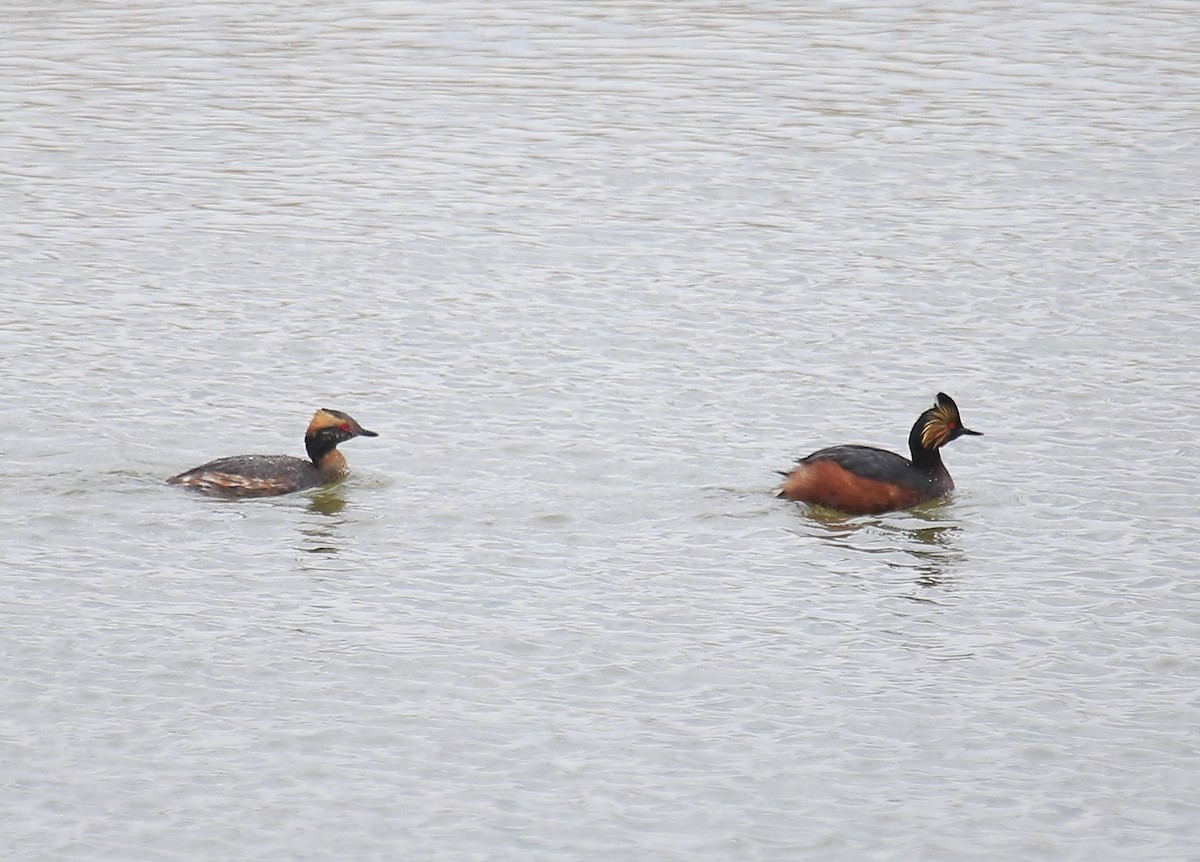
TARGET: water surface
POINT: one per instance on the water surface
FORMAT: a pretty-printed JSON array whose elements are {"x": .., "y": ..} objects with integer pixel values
[{"x": 593, "y": 275}]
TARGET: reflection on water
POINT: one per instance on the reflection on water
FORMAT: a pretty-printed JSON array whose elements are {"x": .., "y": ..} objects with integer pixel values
[
  {"x": 936, "y": 553},
  {"x": 923, "y": 543},
  {"x": 324, "y": 533},
  {"x": 328, "y": 501}
]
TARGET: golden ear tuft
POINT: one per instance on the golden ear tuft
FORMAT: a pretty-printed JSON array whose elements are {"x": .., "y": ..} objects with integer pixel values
[
  {"x": 326, "y": 419},
  {"x": 942, "y": 422}
]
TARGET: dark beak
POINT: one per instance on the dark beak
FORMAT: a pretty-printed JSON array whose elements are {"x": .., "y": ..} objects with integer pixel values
[
  {"x": 363, "y": 432},
  {"x": 964, "y": 430}
]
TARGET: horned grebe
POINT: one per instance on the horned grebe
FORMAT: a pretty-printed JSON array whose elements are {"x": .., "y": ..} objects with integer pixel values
[
  {"x": 270, "y": 475},
  {"x": 863, "y": 480}
]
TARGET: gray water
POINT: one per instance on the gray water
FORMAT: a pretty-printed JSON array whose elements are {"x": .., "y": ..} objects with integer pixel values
[{"x": 594, "y": 272}]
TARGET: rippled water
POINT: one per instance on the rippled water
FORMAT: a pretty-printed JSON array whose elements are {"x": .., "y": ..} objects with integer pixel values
[{"x": 594, "y": 273}]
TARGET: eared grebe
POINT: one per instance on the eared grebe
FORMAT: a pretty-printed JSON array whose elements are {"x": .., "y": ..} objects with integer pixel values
[
  {"x": 863, "y": 480},
  {"x": 270, "y": 475}
]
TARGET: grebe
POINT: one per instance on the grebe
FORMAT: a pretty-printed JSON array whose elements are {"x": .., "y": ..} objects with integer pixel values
[
  {"x": 863, "y": 480},
  {"x": 270, "y": 475}
]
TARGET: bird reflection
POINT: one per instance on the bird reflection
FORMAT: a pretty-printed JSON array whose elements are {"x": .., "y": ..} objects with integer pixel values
[
  {"x": 327, "y": 501},
  {"x": 923, "y": 544},
  {"x": 320, "y": 536}
]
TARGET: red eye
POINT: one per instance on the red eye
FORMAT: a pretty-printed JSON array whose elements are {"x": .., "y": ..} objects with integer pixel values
[{"x": 345, "y": 427}]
